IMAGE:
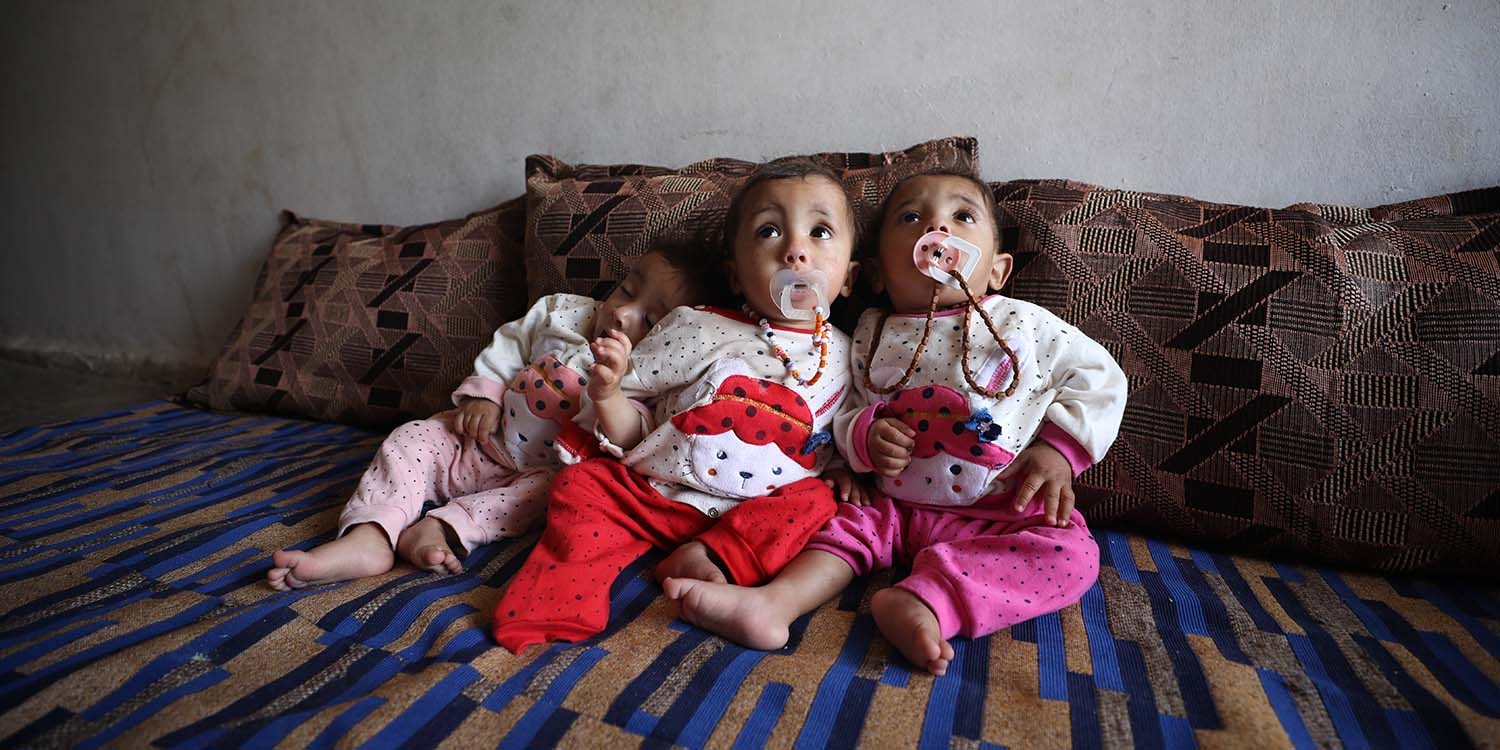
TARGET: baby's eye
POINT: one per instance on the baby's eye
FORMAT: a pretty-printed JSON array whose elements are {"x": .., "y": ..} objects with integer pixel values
[
  {"x": 909, "y": 217},
  {"x": 767, "y": 232},
  {"x": 966, "y": 217},
  {"x": 821, "y": 232}
]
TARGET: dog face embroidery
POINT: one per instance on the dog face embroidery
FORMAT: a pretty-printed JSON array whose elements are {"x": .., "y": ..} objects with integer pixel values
[
  {"x": 953, "y": 463},
  {"x": 750, "y": 438},
  {"x": 539, "y": 401}
]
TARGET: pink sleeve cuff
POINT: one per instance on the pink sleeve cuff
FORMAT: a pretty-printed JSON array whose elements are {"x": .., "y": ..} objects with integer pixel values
[
  {"x": 475, "y": 386},
  {"x": 648, "y": 420},
  {"x": 859, "y": 434},
  {"x": 648, "y": 425},
  {"x": 1071, "y": 449}
]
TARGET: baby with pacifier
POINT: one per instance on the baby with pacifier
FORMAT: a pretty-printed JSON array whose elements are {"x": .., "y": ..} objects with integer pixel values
[
  {"x": 974, "y": 411},
  {"x": 726, "y": 474}
]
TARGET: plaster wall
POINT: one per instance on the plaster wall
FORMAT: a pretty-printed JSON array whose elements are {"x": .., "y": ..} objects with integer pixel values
[{"x": 147, "y": 146}]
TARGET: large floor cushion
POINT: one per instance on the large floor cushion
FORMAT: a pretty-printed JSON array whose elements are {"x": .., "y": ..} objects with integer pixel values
[{"x": 134, "y": 613}]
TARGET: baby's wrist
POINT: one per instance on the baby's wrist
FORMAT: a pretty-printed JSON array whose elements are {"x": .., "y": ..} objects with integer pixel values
[{"x": 605, "y": 394}]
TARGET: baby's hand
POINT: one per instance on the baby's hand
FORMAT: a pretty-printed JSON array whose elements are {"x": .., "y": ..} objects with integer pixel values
[
  {"x": 611, "y": 361},
  {"x": 1047, "y": 473},
  {"x": 890, "y": 443},
  {"x": 846, "y": 487},
  {"x": 477, "y": 418}
]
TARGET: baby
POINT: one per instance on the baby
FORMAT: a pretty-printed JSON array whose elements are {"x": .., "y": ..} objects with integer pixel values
[
  {"x": 728, "y": 478},
  {"x": 975, "y": 415},
  {"x": 491, "y": 460}
]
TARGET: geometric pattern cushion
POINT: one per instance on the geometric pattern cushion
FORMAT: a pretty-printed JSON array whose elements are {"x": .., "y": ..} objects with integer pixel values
[
  {"x": 587, "y": 224},
  {"x": 370, "y": 325},
  {"x": 1318, "y": 381}
]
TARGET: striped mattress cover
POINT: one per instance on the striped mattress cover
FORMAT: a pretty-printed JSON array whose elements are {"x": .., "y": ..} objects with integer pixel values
[{"x": 135, "y": 614}]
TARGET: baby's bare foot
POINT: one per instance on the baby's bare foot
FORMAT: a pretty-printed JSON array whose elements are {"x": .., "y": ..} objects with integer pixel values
[
  {"x": 362, "y": 551},
  {"x": 691, "y": 560},
  {"x": 740, "y": 614},
  {"x": 425, "y": 545},
  {"x": 912, "y": 628}
]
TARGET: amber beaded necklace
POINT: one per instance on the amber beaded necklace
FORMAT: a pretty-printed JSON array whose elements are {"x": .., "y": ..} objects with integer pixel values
[
  {"x": 820, "y": 342},
  {"x": 969, "y": 307}
]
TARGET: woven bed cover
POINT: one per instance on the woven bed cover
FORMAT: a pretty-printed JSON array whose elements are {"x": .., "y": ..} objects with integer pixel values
[{"x": 135, "y": 614}]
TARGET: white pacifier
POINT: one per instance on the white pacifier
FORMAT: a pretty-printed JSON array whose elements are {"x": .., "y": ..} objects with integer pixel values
[
  {"x": 940, "y": 255},
  {"x": 799, "y": 294}
]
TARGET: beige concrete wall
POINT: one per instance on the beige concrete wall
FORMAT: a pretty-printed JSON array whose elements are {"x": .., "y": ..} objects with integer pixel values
[{"x": 146, "y": 145}]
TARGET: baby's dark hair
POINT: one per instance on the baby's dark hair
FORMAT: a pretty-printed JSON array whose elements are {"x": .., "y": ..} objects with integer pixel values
[
  {"x": 967, "y": 176},
  {"x": 785, "y": 168},
  {"x": 695, "y": 259}
]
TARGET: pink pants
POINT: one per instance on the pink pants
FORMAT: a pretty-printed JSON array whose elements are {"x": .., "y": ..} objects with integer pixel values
[
  {"x": 978, "y": 573},
  {"x": 426, "y": 460}
]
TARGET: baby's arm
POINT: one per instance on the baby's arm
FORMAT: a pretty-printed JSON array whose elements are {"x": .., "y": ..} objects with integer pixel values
[
  {"x": 1047, "y": 475},
  {"x": 846, "y": 486},
  {"x": 1080, "y": 424},
  {"x": 870, "y": 442},
  {"x": 617, "y": 417},
  {"x": 889, "y": 444},
  {"x": 508, "y": 353},
  {"x": 476, "y": 418}
]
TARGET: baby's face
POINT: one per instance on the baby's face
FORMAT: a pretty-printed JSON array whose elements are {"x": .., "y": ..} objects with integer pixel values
[
  {"x": 801, "y": 224},
  {"x": 645, "y": 296},
  {"x": 936, "y": 202}
]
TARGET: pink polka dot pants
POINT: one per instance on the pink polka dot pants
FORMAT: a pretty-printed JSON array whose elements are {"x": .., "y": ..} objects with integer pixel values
[
  {"x": 425, "y": 460},
  {"x": 978, "y": 575}
]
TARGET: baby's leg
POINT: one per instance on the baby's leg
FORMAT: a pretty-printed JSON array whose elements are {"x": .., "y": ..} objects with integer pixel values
[
  {"x": 389, "y": 498},
  {"x": 690, "y": 560},
  {"x": 601, "y": 516},
  {"x": 910, "y": 626},
  {"x": 761, "y": 617},
  {"x": 857, "y": 540},
  {"x": 492, "y": 501},
  {"x": 417, "y": 461},
  {"x": 755, "y": 539},
  {"x": 428, "y": 544},
  {"x": 363, "y": 550},
  {"x": 976, "y": 577},
  {"x": 510, "y": 505}
]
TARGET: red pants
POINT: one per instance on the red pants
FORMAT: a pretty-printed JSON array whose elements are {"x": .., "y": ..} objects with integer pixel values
[{"x": 602, "y": 516}]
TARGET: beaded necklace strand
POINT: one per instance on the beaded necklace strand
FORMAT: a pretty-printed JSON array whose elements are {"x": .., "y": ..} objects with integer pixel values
[
  {"x": 969, "y": 307},
  {"x": 820, "y": 345}
]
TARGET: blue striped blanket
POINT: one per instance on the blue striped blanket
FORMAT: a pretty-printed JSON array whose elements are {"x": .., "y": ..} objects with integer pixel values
[{"x": 135, "y": 614}]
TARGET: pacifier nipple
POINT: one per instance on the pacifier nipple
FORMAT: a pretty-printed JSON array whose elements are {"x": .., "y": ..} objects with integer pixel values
[
  {"x": 939, "y": 255},
  {"x": 799, "y": 295}
]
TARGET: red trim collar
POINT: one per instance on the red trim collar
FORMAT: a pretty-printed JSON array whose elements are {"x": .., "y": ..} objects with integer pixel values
[{"x": 739, "y": 316}]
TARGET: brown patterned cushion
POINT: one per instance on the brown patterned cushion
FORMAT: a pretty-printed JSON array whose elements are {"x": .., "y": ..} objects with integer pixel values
[
  {"x": 587, "y": 223},
  {"x": 1318, "y": 381},
  {"x": 370, "y": 325}
]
